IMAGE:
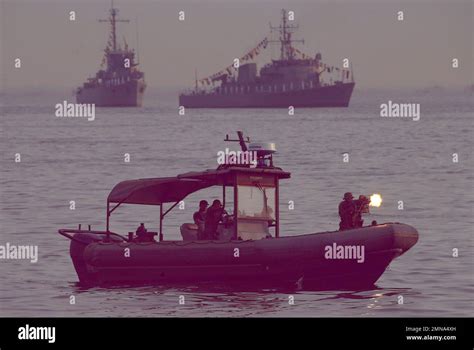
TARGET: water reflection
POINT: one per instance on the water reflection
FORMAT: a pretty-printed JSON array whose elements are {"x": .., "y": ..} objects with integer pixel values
[{"x": 211, "y": 300}]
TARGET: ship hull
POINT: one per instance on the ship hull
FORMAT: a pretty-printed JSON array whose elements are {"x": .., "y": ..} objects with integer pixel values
[
  {"x": 287, "y": 262},
  {"x": 129, "y": 94},
  {"x": 337, "y": 95}
]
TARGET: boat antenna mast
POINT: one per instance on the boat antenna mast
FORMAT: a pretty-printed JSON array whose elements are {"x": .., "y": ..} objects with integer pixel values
[
  {"x": 242, "y": 141},
  {"x": 113, "y": 21},
  {"x": 286, "y": 31}
]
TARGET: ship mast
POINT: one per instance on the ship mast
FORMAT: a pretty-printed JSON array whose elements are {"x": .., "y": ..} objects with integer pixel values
[
  {"x": 196, "y": 79},
  {"x": 286, "y": 30},
  {"x": 113, "y": 20},
  {"x": 138, "y": 49}
]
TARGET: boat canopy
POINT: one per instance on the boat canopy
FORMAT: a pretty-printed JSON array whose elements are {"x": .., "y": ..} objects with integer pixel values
[{"x": 156, "y": 191}]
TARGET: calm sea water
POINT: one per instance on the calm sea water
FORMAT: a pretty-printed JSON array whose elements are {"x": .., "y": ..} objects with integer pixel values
[{"x": 73, "y": 159}]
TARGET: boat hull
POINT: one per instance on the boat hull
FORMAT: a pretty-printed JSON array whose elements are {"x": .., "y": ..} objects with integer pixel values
[
  {"x": 337, "y": 95},
  {"x": 129, "y": 94},
  {"x": 287, "y": 261}
]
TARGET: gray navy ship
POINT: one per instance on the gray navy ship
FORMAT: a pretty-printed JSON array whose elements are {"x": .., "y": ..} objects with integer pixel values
[
  {"x": 121, "y": 83},
  {"x": 295, "y": 79}
]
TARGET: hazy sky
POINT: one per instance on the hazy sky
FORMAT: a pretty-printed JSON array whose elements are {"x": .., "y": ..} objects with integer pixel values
[{"x": 417, "y": 52}]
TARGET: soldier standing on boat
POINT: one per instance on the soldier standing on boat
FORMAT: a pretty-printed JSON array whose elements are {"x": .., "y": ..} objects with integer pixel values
[
  {"x": 361, "y": 207},
  {"x": 346, "y": 212}
]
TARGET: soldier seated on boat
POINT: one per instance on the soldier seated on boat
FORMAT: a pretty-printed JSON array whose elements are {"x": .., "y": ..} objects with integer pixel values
[
  {"x": 346, "y": 212},
  {"x": 143, "y": 235},
  {"x": 199, "y": 218},
  {"x": 213, "y": 216},
  {"x": 141, "y": 230}
]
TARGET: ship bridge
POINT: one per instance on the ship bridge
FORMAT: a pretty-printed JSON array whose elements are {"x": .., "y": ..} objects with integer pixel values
[{"x": 290, "y": 70}]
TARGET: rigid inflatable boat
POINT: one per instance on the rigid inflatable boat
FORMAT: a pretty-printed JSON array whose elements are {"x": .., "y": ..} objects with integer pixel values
[{"x": 248, "y": 249}]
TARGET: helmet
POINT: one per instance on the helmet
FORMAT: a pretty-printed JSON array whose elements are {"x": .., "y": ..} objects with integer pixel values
[{"x": 348, "y": 195}]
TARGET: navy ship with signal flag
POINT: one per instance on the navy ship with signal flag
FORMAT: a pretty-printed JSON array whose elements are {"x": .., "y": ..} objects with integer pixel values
[{"x": 295, "y": 79}]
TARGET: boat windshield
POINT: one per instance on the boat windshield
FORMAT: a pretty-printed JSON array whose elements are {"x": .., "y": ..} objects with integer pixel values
[{"x": 256, "y": 202}]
